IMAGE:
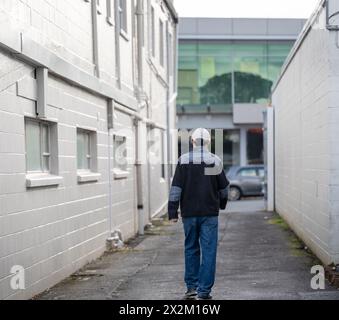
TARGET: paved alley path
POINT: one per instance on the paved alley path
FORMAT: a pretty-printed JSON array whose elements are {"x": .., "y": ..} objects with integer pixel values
[{"x": 257, "y": 259}]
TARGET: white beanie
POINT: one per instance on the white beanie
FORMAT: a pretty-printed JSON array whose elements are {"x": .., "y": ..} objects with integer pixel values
[{"x": 201, "y": 134}]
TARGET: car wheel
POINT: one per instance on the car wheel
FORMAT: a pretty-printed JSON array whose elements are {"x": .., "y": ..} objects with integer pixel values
[{"x": 234, "y": 194}]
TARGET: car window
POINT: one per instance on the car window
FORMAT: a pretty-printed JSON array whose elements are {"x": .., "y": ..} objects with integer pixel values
[
  {"x": 247, "y": 173},
  {"x": 261, "y": 173}
]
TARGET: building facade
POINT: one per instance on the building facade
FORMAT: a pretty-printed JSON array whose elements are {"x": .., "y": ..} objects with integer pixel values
[
  {"x": 226, "y": 71},
  {"x": 306, "y": 106},
  {"x": 87, "y": 101}
]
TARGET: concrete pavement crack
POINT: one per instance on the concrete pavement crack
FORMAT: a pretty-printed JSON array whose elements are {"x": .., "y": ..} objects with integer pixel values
[
  {"x": 224, "y": 229},
  {"x": 128, "y": 278}
]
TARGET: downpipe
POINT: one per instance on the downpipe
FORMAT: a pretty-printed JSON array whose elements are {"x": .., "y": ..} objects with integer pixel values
[
  {"x": 139, "y": 177},
  {"x": 137, "y": 121}
]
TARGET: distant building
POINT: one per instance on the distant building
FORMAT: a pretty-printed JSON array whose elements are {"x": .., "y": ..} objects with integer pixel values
[
  {"x": 226, "y": 71},
  {"x": 83, "y": 84}
]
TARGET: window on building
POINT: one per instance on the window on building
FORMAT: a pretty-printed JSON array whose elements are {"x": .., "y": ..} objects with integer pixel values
[
  {"x": 84, "y": 150},
  {"x": 38, "y": 156},
  {"x": 123, "y": 15},
  {"x": 170, "y": 52},
  {"x": 255, "y": 146},
  {"x": 230, "y": 140},
  {"x": 109, "y": 7},
  {"x": 230, "y": 147},
  {"x": 120, "y": 152},
  {"x": 153, "y": 32},
  {"x": 99, "y": 9},
  {"x": 251, "y": 83},
  {"x": 161, "y": 43},
  {"x": 220, "y": 73}
]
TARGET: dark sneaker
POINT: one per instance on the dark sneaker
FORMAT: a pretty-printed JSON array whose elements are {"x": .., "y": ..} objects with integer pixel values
[
  {"x": 190, "y": 294},
  {"x": 209, "y": 297}
]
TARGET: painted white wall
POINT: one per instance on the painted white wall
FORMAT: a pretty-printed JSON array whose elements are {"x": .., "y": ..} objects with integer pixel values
[
  {"x": 54, "y": 231},
  {"x": 306, "y": 153}
]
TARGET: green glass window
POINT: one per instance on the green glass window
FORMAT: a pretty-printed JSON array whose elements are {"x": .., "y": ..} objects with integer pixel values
[
  {"x": 216, "y": 74},
  {"x": 215, "y": 80},
  {"x": 251, "y": 83},
  {"x": 277, "y": 54}
]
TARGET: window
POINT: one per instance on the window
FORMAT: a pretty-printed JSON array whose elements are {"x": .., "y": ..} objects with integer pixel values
[
  {"x": 220, "y": 73},
  {"x": 123, "y": 15},
  {"x": 255, "y": 146},
  {"x": 87, "y": 156},
  {"x": 170, "y": 52},
  {"x": 38, "y": 155},
  {"x": 231, "y": 146},
  {"x": 248, "y": 173},
  {"x": 84, "y": 150},
  {"x": 99, "y": 7},
  {"x": 161, "y": 33},
  {"x": 153, "y": 31},
  {"x": 120, "y": 152},
  {"x": 109, "y": 7}
]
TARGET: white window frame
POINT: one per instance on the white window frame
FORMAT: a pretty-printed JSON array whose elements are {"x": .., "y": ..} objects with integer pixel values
[
  {"x": 153, "y": 31},
  {"x": 99, "y": 8},
  {"x": 161, "y": 43},
  {"x": 88, "y": 174},
  {"x": 119, "y": 171},
  {"x": 123, "y": 19},
  {"x": 110, "y": 12},
  {"x": 89, "y": 148},
  {"x": 44, "y": 177},
  {"x": 170, "y": 52},
  {"x": 43, "y": 154}
]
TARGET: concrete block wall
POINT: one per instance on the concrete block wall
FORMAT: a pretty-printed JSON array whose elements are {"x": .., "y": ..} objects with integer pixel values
[
  {"x": 63, "y": 26},
  {"x": 333, "y": 120},
  {"x": 53, "y": 231},
  {"x": 305, "y": 141}
]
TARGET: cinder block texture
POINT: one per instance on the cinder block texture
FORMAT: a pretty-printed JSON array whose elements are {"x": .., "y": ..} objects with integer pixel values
[
  {"x": 306, "y": 140},
  {"x": 52, "y": 231}
]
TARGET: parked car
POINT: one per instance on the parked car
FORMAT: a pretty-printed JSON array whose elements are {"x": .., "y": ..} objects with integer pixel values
[{"x": 245, "y": 181}]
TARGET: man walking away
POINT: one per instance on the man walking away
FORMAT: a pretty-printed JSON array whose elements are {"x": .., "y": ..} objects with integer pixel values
[{"x": 200, "y": 188}]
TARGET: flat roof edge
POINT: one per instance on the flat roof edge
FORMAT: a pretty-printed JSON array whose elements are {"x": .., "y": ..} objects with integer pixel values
[
  {"x": 172, "y": 10},
  {"x": 236, "y": 37}
]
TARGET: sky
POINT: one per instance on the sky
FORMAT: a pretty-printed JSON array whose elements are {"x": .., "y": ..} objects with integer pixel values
[{"x": 246, "y": 8}]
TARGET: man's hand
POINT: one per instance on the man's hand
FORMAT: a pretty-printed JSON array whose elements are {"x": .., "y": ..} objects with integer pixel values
[{"x": 174, "y": 220}]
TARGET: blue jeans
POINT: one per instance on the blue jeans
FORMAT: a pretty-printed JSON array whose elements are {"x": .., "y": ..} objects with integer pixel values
[{"x": 201, "y": 241}]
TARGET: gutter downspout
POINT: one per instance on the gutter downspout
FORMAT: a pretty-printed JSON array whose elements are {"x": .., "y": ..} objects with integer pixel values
[
  {"x": 168, "y": 122},
  {"x": 138, "y": 163},
  {"x": 95, "y": 38},
  {"x": 117, "y": 43},
  {"x": 140, "y": 32},
  {"x": 139, "y": 178},
  {"x": 175, "y": 85},
  {"x": 110, "y": 209}
]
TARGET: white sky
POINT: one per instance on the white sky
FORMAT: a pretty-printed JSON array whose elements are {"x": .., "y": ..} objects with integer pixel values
[{"x": 246, "y": 8}]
